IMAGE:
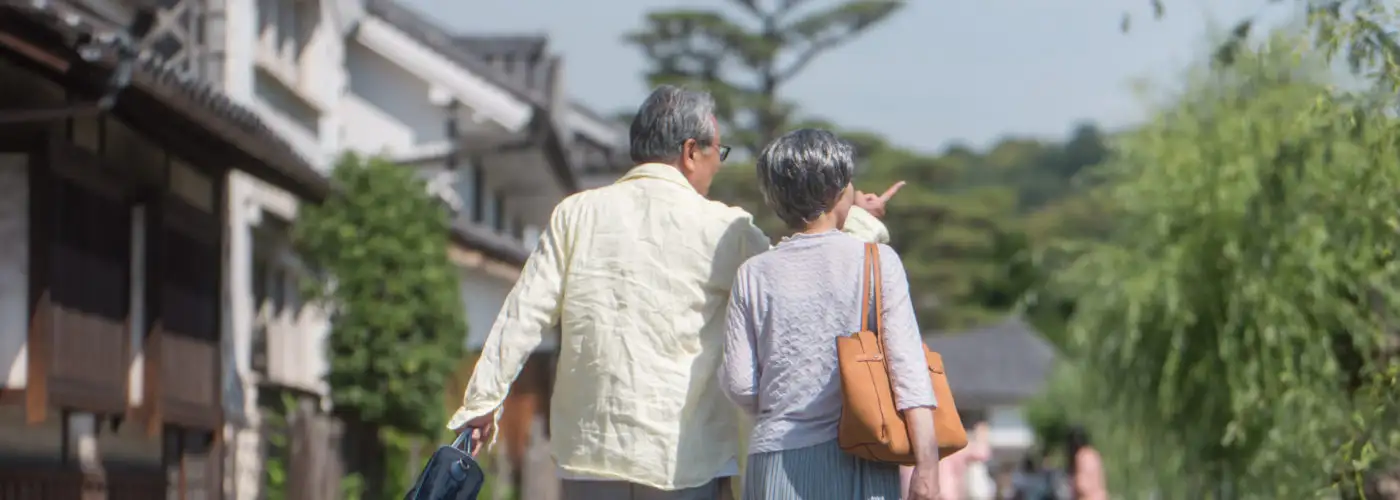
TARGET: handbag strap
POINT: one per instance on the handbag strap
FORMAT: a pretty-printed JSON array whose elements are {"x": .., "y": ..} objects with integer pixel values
[{"x": 872, "y": 284}]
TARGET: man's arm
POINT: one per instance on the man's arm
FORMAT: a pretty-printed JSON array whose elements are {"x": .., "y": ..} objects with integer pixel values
[
  {"x": 530, "y": 310},
  {"x": 861, "y": 224},
  {"x": 863, "y": 221}
]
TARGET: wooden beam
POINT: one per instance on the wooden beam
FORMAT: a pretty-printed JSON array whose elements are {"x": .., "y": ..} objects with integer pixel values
[
  {"x": 474, "y": 259},
  {"x": 17, "y": 44}
]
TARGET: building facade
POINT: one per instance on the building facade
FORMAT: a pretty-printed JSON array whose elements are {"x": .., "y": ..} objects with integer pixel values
[
  {"x": 116, "y": 163},
  {"x": 483, "y": 120}
]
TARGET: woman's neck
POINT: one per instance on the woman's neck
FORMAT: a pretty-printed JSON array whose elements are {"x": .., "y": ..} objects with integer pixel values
[{"x": 825, "y": 223}]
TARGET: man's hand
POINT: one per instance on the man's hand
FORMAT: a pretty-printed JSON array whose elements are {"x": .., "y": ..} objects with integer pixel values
[
  {"x": 923, "y": 485},
  {"x": 875, "y": 204},
  {"x": 481, "y": 429}
]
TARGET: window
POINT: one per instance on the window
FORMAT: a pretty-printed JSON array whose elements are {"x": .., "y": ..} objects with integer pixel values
[
  {"x": 258, "y": 351},
  {"x": 287, "y": 25},
  {"x": 466, "y": 190},
  {"x": 91, "y": 255},
  {"x": 498, "y": 211},
  {"x": 191, "y": 285},
  {"x": 479, "y": 201}
]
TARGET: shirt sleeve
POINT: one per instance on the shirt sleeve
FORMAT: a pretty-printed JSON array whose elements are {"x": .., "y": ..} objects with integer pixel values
[
  {"x": 530, "y": 310},
  {"x": 904, "y": 344},
  {"x": 739, "y": 370},
  {"x": 866, "y": 227}
]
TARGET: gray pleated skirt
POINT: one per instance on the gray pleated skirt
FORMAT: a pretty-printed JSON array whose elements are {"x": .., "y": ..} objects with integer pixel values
[{"x": 818, "y": 472}]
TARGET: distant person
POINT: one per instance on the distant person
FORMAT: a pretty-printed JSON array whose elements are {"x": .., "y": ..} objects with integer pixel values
[
  {"x": 1005, "y": 485},
  {"x": 636, "y": 275},
  {"x": 1035, "y": 481},
  {"x": 1084, "y": 467},
  {"x": 786, "y": 310}
]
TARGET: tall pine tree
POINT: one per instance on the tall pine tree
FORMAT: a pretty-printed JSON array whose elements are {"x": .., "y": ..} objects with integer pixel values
[{"x": 745, "y": 57}]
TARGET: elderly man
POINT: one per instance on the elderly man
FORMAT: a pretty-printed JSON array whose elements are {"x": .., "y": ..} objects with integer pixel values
[{"x": 637, "y": 276}]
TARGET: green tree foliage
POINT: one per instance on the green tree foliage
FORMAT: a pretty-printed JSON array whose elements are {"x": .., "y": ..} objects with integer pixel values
[
  {"x": 1239, "y": 311},
  {"x": 395, "y": 311},
  {"x": 1360, "y": 32}
]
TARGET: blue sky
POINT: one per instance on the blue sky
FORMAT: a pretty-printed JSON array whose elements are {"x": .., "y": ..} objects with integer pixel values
[{"x": 969, "y": 71}]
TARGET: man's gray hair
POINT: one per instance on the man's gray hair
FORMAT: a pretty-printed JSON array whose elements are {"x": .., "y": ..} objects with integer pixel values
[
  {"x": 670, "y": 116},
  {"x": 803, "y": 173}
]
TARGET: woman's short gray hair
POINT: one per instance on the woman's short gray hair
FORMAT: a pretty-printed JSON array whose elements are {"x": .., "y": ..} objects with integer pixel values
[
  {"x": 803, "y": 173},
  {"x": 670, "y": 116}
]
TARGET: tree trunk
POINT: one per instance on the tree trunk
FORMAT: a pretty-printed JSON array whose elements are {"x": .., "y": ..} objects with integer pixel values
[{"x": 364, "y": 455}]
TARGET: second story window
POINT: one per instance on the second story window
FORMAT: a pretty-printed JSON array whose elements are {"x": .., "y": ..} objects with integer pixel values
[
  {"x": 470, "y": 182},
  {"x": 287, "y": 25},
  {"x": 498, "y": 212}
]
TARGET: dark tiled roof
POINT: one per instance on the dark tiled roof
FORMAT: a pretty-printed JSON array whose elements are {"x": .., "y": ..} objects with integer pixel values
[
  {"x": 525, "y": 47},
  {"x": 610, "y": 157},
  {"x": 1007, "y": 361},
  {"x": 198, "y": 100}
]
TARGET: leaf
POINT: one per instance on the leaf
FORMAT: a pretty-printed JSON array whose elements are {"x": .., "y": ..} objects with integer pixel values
[{"x": 381, "y": 254}]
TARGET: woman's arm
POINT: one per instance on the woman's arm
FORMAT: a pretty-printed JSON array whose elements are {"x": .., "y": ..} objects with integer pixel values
[
  {"x": 738, "y": 373},
  {"x": 922, "y": 435},
  {"x": 904, "y": 346}
]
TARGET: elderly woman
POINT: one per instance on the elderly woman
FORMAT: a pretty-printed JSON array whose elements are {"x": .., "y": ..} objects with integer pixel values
[{"x": 786, "y": 310}]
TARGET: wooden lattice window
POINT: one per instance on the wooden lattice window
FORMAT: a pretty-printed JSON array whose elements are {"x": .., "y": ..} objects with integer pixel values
[{"x": 178, "y": 36}]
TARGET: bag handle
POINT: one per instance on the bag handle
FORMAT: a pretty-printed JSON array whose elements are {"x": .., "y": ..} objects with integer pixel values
[{"x": 872, "y": 285}]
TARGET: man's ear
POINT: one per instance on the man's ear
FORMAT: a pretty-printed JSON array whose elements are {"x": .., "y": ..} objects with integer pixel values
[{"x": 688, "y": 148}]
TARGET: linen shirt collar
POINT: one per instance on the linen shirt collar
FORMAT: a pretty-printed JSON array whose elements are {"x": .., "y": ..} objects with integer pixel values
[{"x": 659, "y": 171}]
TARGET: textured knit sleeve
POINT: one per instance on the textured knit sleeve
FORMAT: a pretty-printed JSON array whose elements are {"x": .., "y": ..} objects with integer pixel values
[
  {"x": 738, "y": 373},
  {"x": 904, "y": 345}
]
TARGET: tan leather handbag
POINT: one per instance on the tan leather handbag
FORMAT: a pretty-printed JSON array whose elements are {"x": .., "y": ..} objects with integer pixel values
[{"x": 870, "y": 426}]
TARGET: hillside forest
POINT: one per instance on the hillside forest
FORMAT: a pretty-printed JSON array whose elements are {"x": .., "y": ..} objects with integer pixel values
[{"x": 1219, "y": 280}]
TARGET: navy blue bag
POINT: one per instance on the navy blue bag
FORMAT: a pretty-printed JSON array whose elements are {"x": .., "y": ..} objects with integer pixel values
[{"x": 451, "y": 474}]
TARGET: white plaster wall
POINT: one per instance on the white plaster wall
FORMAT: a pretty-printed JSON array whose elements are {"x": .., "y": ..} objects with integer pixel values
[
  {"x": 386, "y": 109},
  {"x": 483, "y": 295},
  {"x": 14, "y": 268},
  {"x": 250, "y": 202},
  {"x": 1007, "y": 428},
  {"x": 296, "y": 338},
  {"x": 304, "y": 142},
  {"x": 320, "y": 80}
]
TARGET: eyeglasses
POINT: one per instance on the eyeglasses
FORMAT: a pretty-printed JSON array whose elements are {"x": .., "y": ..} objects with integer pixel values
[{"x": 723, "y": 151}]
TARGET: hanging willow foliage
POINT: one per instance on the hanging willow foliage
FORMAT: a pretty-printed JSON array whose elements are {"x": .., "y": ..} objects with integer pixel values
[{"x": 1243, "y": 308}]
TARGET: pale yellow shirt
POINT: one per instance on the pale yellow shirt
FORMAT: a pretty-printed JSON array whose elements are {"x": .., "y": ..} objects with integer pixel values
[{"x": 637, "y": 276}]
